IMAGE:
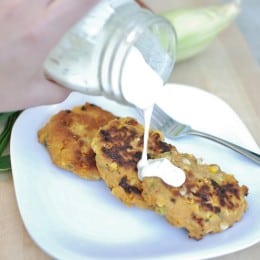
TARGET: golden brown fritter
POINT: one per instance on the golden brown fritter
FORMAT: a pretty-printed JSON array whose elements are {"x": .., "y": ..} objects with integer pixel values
[
  {"x": 68, "y": 136},
  {"x": 118, "y": 147},
  {"x": 209, "y": 201}
]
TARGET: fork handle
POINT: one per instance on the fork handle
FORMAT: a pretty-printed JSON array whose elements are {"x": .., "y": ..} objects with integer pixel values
[{"x": 247, "y": 153}]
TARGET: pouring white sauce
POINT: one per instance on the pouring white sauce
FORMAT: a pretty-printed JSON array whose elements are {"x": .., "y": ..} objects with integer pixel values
[{"x": 140, "y": 86}]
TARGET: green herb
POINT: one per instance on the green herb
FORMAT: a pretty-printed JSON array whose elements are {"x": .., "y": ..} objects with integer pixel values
[
  {"x": 4, "y": 116},
  {"x": 5, "y": 135},
  {"x": 5, "y": 163}
]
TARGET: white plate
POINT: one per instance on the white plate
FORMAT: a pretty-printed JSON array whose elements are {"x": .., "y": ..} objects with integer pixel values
[{"x": 72, "y": 218}]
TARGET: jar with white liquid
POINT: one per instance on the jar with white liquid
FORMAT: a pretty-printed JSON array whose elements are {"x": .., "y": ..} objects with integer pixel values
[{"x": 116, "y": 50}]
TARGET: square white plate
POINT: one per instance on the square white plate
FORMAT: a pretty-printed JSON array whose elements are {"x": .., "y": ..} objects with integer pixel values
[{"x": 72, "y": 218}]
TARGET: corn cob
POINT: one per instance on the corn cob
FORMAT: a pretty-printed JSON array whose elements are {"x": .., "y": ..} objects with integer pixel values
[{"x": 196, "y": 28}]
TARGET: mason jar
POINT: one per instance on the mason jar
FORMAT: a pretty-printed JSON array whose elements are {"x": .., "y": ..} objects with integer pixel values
[{"x": 91, "y": 55}]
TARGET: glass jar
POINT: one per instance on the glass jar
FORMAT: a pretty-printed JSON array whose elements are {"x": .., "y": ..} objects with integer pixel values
[{"x": 90, "y": 56}]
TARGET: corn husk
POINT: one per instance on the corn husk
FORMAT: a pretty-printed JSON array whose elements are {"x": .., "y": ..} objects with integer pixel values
[{"x": 196, "y": 28}]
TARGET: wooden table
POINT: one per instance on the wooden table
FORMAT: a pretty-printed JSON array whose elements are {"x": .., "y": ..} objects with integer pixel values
[{"x": 227, "y": 69}]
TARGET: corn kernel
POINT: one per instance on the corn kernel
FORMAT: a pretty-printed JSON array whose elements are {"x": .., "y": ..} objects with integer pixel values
[
  {"x": 223, "y": 226},
  {"x": 186, "y": 161},
  {"x": 161, "y": 210},
  {"x": 113, "y": 166},
  {"x": 213, "y": 168}
]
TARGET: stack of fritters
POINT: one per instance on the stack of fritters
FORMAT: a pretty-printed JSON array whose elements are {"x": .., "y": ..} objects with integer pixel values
[{"x": 208, "y": 202}]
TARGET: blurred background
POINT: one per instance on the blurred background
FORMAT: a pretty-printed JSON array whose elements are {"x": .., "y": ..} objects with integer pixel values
[
  {"x": 248, "y": 20},
  {"x": 230, "y": 66},
  {"x": 249, "y": 23}
]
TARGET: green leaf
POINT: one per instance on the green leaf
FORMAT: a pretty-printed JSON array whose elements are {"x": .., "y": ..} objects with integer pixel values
[
  {"x": 6, "y": 133},
  {"x": 4, "y": 116},
  {"x": 10, "y": 117},
  {"x": 5, "y": 163}
]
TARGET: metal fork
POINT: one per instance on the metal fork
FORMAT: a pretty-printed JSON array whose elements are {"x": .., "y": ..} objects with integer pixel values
[{"x": 172, "y": 129}]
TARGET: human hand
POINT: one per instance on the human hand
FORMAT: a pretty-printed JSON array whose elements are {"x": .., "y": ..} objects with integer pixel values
[{"x": 28, "y": 31}]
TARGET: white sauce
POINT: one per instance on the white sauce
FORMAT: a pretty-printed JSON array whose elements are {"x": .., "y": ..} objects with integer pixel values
[
  {"x": 163, "y": 169},
  {"x": 140, "y": 86}
]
